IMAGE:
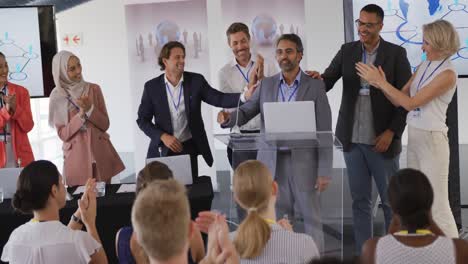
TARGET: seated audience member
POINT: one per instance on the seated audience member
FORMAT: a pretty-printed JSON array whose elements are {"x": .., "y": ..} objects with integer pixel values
[
  {"x": 127, "y": 248},
  {"x": 260, "y": 238},
  {"x": 413, "y": 236},
  {"x": 45, "y": 239},
  {"x": 161, "y": 220}
]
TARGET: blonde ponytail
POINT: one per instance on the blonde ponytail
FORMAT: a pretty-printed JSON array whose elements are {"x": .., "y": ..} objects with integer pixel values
[{"x": 252, "y": 188}]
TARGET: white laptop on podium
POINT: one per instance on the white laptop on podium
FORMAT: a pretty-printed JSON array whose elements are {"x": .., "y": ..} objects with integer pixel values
[
  {"x": 8, "y": 179},
  {"x": 288, "y": 120},
  {"x": 180, "y": 166}
]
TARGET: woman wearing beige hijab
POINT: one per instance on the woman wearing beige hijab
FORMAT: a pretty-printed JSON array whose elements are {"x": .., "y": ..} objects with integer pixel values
[{"x": 78, "y": 112}]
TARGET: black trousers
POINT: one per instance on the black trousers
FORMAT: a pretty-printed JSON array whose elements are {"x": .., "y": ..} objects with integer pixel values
[{"x": 189, "y": 148}]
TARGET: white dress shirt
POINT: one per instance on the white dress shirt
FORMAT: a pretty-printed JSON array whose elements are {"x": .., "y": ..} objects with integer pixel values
[
  {"x": 233, "y": 79},
  {"x": 175, "y": 99},
  {"x": 48, "y": 243}
]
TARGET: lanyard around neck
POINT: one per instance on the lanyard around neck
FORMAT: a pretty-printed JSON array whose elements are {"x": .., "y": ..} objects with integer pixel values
[
  {"x": 296, "y": 86},
  {"x": 430, "y": 75},
  {"x": 176, "y": 106},
  {"x": 70, "y": 99},
  {"x": 246, "y": 76},
  {"x": 419, "y": 232}
]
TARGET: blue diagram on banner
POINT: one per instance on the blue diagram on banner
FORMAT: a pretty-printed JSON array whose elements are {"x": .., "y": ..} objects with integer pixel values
[
  {"x": 403, "y": 26},
  {"x": 18, "y": 58}
]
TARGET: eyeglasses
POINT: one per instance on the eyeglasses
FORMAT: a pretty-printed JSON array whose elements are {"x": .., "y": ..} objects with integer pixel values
[{"x": 359, "y": 23}]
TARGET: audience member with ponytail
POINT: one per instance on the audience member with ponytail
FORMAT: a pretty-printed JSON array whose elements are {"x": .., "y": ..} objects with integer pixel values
[
  {"x": 413, "y": 237},
  {"x": 44, "y": 239},
  {"x": 260, "y": 238}
]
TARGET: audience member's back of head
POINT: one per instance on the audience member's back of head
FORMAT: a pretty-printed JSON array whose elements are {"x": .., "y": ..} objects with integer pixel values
[
  {"x": 411, "y": 196},
  {"x": 152, "y": 171},
  {"x": 161, "y": 219},
  {"x": 253, "y": 190},
  {"x": 34, "y": 186}
]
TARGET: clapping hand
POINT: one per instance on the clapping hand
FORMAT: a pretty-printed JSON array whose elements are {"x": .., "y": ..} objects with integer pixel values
[
  {"x": 87, "y": 203},
  {"x": 10, "y": 102},
  {"x": 84, "y": 102},
  {"x": 260, "y": 67},
  {"x": 220, "y": 248},
  {"x": 373, "y": 75}
]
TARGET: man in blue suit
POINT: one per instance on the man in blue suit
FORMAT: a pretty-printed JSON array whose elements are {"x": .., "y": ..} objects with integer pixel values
[{"x": 174, "y": 100}]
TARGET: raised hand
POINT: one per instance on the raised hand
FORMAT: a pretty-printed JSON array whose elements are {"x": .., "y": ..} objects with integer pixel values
[
  {"x": 260, "y": 66},
  {"x": 204, "y": 220},
  {"x": 373, "y": 75},
  {"x": 87, "y": 204}
]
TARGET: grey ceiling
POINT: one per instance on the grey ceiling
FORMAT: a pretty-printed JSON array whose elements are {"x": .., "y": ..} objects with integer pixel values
[{"x": 60, "y": 5}]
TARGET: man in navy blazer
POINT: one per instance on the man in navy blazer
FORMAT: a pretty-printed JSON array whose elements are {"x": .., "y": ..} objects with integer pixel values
[{"x": 174, "y": 101}]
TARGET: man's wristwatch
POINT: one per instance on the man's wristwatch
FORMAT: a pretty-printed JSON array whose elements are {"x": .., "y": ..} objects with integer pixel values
[{"x": 76, "y": 219}]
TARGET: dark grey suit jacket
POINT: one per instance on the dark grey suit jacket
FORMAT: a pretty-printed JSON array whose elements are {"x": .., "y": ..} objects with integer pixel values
[
  {"x": 395, "y": 64},
  {"x": 306, "y": 163}
]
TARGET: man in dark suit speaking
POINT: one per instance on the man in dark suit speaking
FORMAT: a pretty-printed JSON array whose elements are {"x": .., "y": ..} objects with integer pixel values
[{"x": 174, "y": 100}]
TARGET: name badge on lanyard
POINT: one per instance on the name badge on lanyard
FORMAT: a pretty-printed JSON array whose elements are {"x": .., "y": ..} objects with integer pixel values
[
  {"x": 416, "y": 113},
  {"x": 365, "y": 87}
]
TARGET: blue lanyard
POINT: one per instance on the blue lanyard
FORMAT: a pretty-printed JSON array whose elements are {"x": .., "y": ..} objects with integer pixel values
[
  {"x": 246, "y": 77},
  {"x": 69, "y": 98},
  {"x": 432, "y": 73},
  {"x": 296, "y": 86},
  {"x": 176, "y": 106},
  {"x": 4, "y": 91},
  {"x": 364, "y": 56}
]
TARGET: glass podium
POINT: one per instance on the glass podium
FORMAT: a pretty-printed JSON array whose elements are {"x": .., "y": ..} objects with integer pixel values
[{"x": 296, "y": 160}]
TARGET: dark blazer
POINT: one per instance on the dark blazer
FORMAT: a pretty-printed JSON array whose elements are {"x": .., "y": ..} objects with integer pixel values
[
  {"x": 397, "y": 69},
  {"x": 154, "y": 104}
]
